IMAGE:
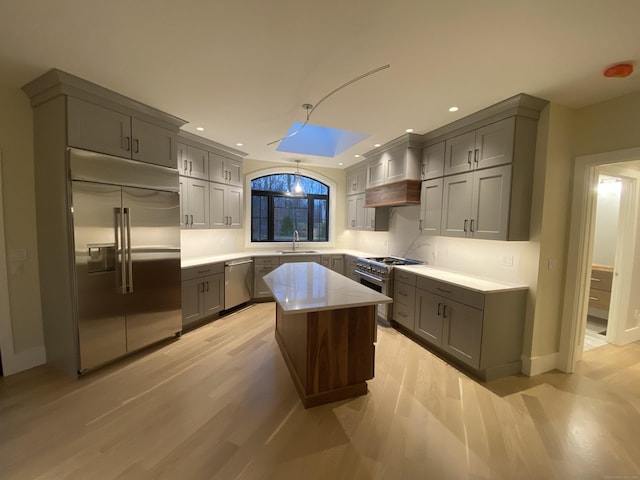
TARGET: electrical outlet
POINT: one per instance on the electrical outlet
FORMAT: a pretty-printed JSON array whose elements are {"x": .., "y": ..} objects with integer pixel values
[
  {"x": 551, "y": 263},
  {"x": 507, "y": 260}
]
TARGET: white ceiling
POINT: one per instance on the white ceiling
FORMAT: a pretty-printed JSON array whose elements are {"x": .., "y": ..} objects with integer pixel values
[{"x": 242, "y": 68}]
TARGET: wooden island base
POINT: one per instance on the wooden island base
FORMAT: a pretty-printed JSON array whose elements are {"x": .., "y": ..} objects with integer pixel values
[{"x": 330, "y": 353}]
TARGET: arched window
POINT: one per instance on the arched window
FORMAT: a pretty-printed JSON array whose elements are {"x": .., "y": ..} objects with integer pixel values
[{"x": 278, "y": 208}]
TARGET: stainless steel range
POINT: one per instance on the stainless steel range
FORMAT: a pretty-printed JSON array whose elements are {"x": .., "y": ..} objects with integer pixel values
[{"x": 377, "y": 274}]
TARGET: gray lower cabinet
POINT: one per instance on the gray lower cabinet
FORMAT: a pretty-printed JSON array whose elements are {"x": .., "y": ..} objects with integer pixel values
[
  {"x": 404, "y": 299},
  {"x": 333, "y": 262},
  {"x": 350, "y": 268},
  {"x": 291, "y": 258},
  {"x": 262, "y": 266},
  {"x": 202, "y": 292},
  {"x": 483, "y": 331}
]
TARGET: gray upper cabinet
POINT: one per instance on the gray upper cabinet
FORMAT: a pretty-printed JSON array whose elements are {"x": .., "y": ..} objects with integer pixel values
[
  {"x": 225, "y": 170},
  {"x": 432, "y": 161},
  {"x": 431, "y": 206},
  {"x": 488, "y": 146},
  {"x": 99, "y": 129},
  {"x": 476, "y": 204},
  {"x": 356, "y": 180},
  {"x": 397, "y": 164},
  {"x": 193, "y": 162},
  {"x": 376, "y": 172},
  {"x": 225, "y": 206},
  {"x": 194, "y": 203}
]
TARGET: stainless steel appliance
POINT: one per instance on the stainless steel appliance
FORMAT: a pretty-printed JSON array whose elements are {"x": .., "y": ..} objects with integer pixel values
[
  {"x": 126, "y": 236},
  {"x": 238, "y": 282},
  {"x": 377, "y": 274}
]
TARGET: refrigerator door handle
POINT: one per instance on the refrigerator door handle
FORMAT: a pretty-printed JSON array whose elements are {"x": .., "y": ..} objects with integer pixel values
[
  {"x": 127, "y": 214},
  {"x": 120, "y": 249}
]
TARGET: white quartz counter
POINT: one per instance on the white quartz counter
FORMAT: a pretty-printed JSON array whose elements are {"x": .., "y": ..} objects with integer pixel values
[
  {"x": 194, "y": 262},
  {"x": 470, "y": 282},
  {"x": 307, "y": 287}
]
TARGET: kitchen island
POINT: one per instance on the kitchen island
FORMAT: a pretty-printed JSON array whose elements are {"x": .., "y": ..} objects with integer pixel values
[{"x": 325, "y": 328}]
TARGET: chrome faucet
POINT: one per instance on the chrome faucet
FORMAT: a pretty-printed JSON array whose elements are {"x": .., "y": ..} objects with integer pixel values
[{"x": 296, "y": 238}]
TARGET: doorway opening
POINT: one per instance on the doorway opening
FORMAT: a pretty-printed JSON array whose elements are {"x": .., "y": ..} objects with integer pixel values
[{"x": 613, "y": 305}]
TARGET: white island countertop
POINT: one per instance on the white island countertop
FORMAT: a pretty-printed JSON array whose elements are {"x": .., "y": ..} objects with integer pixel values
[{"x": 308, "y": 287}]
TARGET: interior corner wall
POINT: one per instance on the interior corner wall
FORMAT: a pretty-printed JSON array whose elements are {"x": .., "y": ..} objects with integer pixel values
[
  {"x": 553, "y": 234},
  {"x": 16, "y": 141}
]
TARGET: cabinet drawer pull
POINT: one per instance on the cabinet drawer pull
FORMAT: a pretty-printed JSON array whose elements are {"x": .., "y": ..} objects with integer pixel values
[
  {"x": 443, "y": 290},
  {"x": 402, "y": 293},
  {"x": 595, "y": 279},
  {"x": 204, "y": 271},
  {"x": 402, "y": 314},
  {"x": 594, "y": 298}
]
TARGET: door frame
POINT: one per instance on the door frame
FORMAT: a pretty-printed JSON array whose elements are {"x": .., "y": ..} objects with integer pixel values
[{"x": 580, "y": 248}]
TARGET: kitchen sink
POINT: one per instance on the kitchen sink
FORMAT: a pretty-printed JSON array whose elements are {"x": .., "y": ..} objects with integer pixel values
[{"x": 297, "y": 251}]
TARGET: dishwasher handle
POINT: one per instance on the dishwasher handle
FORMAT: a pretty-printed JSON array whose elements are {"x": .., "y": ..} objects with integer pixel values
[{"x": 242, "y": 262}]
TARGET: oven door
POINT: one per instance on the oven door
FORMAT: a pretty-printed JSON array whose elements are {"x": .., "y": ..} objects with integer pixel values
[{"x": 378, "y": 284}]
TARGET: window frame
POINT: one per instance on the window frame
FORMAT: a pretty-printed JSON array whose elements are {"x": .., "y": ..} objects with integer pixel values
[{"x": 286, "y": 169}]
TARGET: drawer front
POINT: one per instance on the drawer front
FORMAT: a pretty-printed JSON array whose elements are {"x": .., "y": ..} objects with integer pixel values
[
  {"x": 404, "y": 293},
  {"x": 266, "y": 261},
  {"x": 404, "y": 277},
  {"x": 404, "y": 314},
  {"x": 202, "y": 270},
  {"x": 599, "y": 298},
  {"x": 453, "y": 292},
  {"x": 601, "y": 278}
]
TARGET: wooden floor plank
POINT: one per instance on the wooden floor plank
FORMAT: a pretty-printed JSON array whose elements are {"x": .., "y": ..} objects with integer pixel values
[{"x": 219, "y": 403}]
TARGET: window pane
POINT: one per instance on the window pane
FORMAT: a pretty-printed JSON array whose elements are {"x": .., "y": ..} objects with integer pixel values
[
  {"x": 259, "y": 218},
  {"x": 290, "y": 214},
  {"x": 320, "y": 220}
]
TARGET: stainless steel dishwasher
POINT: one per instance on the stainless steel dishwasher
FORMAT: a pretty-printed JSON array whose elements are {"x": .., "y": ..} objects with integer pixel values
[{"x": 238, "y": 282}]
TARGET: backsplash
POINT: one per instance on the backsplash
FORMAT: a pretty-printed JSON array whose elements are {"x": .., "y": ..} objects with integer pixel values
[{"x": 204, "y": 243}]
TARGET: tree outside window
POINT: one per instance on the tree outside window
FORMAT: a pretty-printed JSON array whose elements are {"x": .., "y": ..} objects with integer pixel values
[{"x": 276, "y": 213}]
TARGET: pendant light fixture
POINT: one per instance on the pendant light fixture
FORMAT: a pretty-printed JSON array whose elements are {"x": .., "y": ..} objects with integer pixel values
[{"x": 298, "y": 191}]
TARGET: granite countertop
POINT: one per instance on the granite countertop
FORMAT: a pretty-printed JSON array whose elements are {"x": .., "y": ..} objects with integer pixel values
[
  {"x": 194, "y": 262},
  {"x": 470, "y": 282},
  {"x": 309, "y": 287}
]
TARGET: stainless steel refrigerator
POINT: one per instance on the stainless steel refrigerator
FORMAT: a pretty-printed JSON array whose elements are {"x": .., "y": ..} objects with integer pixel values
[{"x": 126, "y": 236}]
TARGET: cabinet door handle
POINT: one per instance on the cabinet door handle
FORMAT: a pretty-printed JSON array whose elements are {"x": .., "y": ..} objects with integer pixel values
[
  {"x": 471, "y": 226},
  {"x": 465, "y": 225},
  {"x": 476, "y": 156},
  {"x": 444, "y": 311},
  {"x": 207, "y": 282},
  {"x": 420, "y": 225},
  {"x": 353, "y": 223},
  {"x": 136, "y": 144},
  {"x": 439, "y": 307},
  {"x": 422, "y": 170},
  {"x": 190, "y": 166},
  {"x": 186, "y": 219},
  {"x": 202, "y": 287},
  {"x": 371, "y": 223},
  {"x": 127, "y": 143},
  {"x": 185, "y": 166},
  {"x": 469, "y": 158},
  {"x": 191, "y": 219}
]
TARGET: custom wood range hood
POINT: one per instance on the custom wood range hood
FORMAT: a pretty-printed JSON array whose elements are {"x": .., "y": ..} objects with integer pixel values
[
  {"x": 397, "y": 194},
  {"x": 393, "y": 173}
]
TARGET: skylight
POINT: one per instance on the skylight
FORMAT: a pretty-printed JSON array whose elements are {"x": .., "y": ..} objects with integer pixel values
[{"x": 319, "y": 141}]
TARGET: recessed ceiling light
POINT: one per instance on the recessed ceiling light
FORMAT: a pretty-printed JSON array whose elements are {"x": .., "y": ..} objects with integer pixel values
[
  {"x": 340, "y": 164},
  {"x": 454, "y": 109},
  {"x": 200, "y": 129},
  {"x": 239, "y": 144},
  {"x": 409, "y": 130},
  {"x": 357, "y": 156},
  {"x": 377, "y": 145}
]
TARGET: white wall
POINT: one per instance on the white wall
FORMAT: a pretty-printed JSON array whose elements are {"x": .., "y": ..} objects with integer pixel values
[{"x": 606, "y": 228}]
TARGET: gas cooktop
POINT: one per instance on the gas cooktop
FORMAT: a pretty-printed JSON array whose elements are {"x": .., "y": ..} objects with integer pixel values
[{"x": 393, "y": 260}]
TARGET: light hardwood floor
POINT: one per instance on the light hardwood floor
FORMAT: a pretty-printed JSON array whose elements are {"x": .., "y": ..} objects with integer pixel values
[{"x": 219, "y": 404}]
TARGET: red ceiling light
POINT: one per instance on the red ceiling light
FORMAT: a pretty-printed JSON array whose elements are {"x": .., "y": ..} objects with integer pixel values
[{"x": 620, "y": 70}]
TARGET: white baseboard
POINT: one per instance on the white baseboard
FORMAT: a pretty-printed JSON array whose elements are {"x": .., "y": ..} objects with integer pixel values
[
  {"x": 535, "y": 365},
  {"x": 17, "y": 362}
]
